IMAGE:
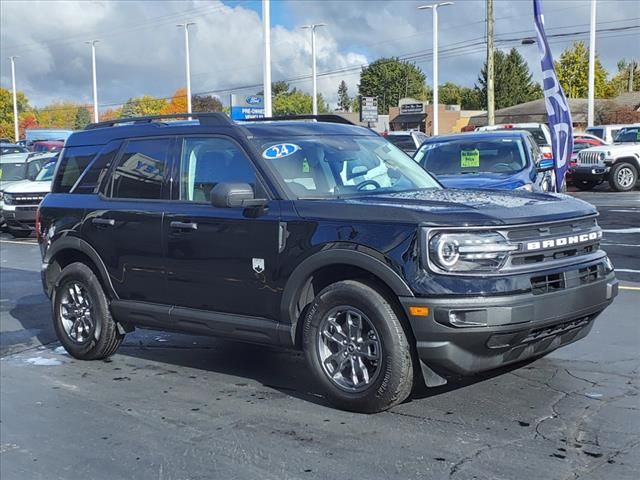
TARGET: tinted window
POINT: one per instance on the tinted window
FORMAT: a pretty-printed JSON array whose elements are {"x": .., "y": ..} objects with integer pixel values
[
  {"x": 46, "y": 173},
  {"x": 10, "y": 172},
  {"x": 97, "y": 170},
  {"x": 33, "y": 169},
  {"x": 628, "y": 135},
  {"x": 403, "y": 142},
  {"x": 536, "y": 132},
  {"x": 141, "y": 168},
  {"x": 598, "y": 132},
  {"x": 208, "y": 161},
  {"x": 9, "y": 150},
  {"x": 73, "y": 161}
]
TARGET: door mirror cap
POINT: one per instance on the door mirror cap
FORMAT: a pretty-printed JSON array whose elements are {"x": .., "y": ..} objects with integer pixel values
[
  {"x": 235, "y": 195},
  {"x": 545, "y": 164}
]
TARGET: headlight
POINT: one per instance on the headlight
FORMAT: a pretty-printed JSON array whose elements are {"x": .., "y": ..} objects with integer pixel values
[
  {"x": 528, "y": 187},
  {"x": 468, "y": 252},
  {"x": 7, "y": 199},
  {"x": 602, "y": 156}
]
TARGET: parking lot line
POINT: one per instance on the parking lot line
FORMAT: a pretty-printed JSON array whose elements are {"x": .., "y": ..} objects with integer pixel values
[
  {"x": 27, "y": 242},
  {"x": 626, "y": 287}
]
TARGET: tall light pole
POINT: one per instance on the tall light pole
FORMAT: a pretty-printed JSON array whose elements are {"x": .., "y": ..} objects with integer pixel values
[
  {"x": 313, "y": 27},
  {"x": 187, "y": 64},
  {"x": 491, "y": 103},
  {"x": 15, "y": 98},
  {"x": 434, "y": 7},
  {"x": 592, "y": 64},
  {"x": 266, "y": 78},
  {"x": 95, "y": 81}
]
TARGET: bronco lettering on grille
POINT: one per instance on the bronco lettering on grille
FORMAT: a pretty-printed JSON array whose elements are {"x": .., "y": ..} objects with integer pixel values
[{"x": 563, "y": 241}]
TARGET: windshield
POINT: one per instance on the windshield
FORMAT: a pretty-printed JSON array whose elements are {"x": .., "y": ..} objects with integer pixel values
[
  {"x": 403, "y": 142},
  {"x": 46, "y": 173},
  {"x": 628, "y": 135},
  {"x": 10, "y": 172},
  {"x": 12, "y": 149},
  {"x": 338, "y": 165},
  {"x": 468, "y": 156}
]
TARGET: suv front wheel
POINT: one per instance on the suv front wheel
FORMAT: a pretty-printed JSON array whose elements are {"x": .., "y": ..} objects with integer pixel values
[
  {"x": 357, "y": 348},
  {"x": 81, "y": 315},
  {"x": 623, "y": 177}
]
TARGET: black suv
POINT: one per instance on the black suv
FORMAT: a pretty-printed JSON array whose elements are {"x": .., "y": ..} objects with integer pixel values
[{"x": 316, "y": 235}]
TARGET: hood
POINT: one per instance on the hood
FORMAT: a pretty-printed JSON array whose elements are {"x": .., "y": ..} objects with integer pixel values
[
  {"x": 27, "y": 186},
  {"x": 450, "y": 207},
  {"x": 496, "y": 181}
]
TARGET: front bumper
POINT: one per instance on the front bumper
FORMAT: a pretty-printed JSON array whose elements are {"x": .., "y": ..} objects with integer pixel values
[
  {"x": 20, "y": 217},
  {"x": 518, "y": 327},
  {"x": 596, "y": 173}
]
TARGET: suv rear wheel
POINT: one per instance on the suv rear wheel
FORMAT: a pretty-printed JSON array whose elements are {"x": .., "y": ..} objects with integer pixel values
[
  {"x": 357, "y": 348},
  {"x": 623, "y": 177},
  {"x": 81, "y": 315}
]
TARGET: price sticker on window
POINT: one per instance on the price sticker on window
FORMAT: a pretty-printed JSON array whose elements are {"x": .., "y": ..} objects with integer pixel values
[{"x": 470, "y": 158}]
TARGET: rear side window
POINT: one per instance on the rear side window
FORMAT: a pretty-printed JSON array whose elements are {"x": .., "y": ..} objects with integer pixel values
[
  {"x": 140, "y": 170},
  {"x": 598, "y": 132},
  {"x": 73, "y": 161}
]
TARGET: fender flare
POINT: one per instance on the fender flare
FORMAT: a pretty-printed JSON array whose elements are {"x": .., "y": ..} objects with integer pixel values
[
  {"x": 335, "y": 256},
  {"x": 75, "y": 243}
]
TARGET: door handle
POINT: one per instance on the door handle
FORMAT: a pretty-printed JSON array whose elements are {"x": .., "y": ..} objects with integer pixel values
[
  {"x": 184, "y": 225},
  {"x": 104, "y": 221}
]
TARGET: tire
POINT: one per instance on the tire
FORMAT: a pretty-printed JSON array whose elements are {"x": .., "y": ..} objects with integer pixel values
[
  {"x": 96, "y": 336},
  {"x": 623, "y": 177},
  {"x": 585, "y": 185},
  {"x": 19, "y": 233},
  {"x": 389, "y": 380}
]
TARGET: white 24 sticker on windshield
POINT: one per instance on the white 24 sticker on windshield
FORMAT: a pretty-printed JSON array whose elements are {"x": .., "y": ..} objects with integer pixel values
[{"x": 280, "y": 150}]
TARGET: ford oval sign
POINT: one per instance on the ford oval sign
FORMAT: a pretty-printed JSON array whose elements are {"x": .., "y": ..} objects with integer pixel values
[
  {"x": 280, "y": 150},
  {"x": 253, "y": 100}
]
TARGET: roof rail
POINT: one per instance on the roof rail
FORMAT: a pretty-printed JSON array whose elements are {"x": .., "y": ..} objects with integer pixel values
[
  {"x": 206, "y": 118},
  {"x": 327, "y": 117}
]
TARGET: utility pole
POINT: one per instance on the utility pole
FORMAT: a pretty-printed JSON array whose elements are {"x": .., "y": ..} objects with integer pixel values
[
  {"x": 491, "y": 106},
  {"x": 266, "y": 79},
  {"x": 434, "y": 7},
  {"x": 314, "y": 74},
  {"x": 632, "y": 67},
  {"x": 187, "y": 64},
  {"x": 15, "y": 98},
  {"x": 95, "y": 81},
  {"x": 592, "y": 65}
]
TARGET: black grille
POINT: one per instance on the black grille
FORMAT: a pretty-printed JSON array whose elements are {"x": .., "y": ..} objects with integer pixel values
[
  {"x": 554, "y": 229},
  {"x": 559, "y": 281},
  {"x": 557, "y": 329}
]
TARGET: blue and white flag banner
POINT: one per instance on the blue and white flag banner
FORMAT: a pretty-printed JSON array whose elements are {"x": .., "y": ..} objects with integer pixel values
[{"x": 555, "y": 101}]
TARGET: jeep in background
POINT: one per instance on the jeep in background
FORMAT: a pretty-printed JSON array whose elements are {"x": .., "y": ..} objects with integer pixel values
[
  {"x": 618, "y": 164},
  {"x": 317, "y": 235}
]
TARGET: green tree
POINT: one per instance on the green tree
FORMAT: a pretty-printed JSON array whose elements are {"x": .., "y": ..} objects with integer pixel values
[
  {"x": 277, "y": 88},
  {"x": 83, "y": 118},
  {"x": 513, "y": 81},
  {"x": 297, "y": 102},
  {"x": 206, "y": 103},
  {"x": 344, "y": 100},
  {"x": 391, "y": 79},
  {"x": 141, "y": 106},
  {"x": 620, "y": 81},
  {"x": 572, "y": 69},
  {"x": 57, "y": 115},
  {"x": 467, "y": 98}
]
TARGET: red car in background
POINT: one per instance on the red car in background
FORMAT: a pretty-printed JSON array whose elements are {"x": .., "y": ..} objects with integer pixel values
[
  {"x": 47, "y": 146},
  {"x": 580, "y": 142}
]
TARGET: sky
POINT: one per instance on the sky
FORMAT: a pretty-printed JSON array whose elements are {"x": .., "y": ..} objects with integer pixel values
[{"x": 141, "y": 51}]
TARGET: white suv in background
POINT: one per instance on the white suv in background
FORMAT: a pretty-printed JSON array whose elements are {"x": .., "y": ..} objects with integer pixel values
[{"x": 409, "y": 141}]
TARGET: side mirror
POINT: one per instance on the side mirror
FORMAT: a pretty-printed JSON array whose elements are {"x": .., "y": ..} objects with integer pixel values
[
  {"x": 235, "y": 195},
  {"x": 545, "y": 164}
]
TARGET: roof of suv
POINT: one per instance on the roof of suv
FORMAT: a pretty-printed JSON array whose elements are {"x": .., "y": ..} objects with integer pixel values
[
  {"x": 102, "y": 133},
  {"x": 479, "y": 135}
]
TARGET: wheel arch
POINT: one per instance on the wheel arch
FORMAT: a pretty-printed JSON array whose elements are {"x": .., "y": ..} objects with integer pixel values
[
  {"x": 327, "y": 267},
  {"x": 68, "y": 250}
]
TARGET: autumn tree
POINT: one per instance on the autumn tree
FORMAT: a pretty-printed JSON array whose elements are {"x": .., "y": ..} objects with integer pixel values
[
  {"x": 110, "y": 114},
  {"x": 391, "y": 79},
  {"x": 344, "y": 101},
  {"x": 177, "y": 103},
  {"x": 513, "y": 81},
  {"x": 206, "y": 103},
  {"x": 142, "y": 106},
  {"x": 57, "y": 115},
  {"x": 572, "y": 69},
  {"x": 6, "y": 111},
  {"x": 28, "y": 120}
]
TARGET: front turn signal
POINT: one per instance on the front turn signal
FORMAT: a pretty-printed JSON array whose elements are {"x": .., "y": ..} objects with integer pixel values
[{"x": 419, "y": 311}]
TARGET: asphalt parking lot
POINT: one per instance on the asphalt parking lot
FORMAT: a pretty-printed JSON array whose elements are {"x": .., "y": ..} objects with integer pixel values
[{"x": 171, "y": 406}]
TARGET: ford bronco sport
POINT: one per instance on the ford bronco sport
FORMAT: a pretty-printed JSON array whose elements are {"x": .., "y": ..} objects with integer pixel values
[{"x": 316, "y": 235}]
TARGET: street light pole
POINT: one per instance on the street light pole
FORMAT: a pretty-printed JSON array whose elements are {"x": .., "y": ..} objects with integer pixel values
[
  {"x": 314, "y": 75},
  {"x": 434, "y": 7},
  {"x": 15, "y": 97},
  {"x": 491, "y": 103},
  {"x": 266, "y": 78},
  {"x": 187, "y": 64},
  {"x": 592, "y": 65},
  {"x": 95, "y": 81}
]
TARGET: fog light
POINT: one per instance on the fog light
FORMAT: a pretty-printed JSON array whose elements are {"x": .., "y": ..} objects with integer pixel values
[{"x": 468, "y": 318}]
